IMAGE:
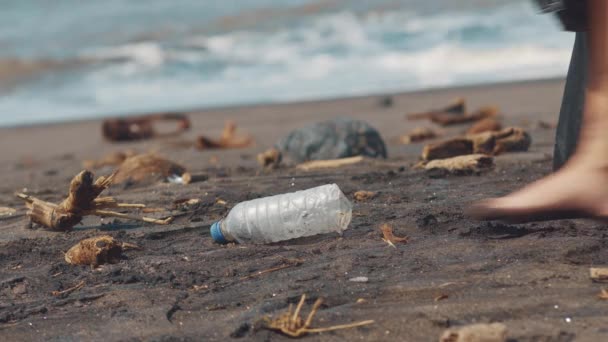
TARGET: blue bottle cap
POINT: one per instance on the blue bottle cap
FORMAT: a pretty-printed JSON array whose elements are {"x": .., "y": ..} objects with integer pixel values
[{"x": 216, "y": 233}]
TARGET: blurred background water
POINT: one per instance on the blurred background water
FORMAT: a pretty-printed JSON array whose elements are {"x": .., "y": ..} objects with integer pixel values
[{"x": 68, "y": 59}]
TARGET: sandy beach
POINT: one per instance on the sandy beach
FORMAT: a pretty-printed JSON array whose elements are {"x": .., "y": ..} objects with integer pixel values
[{"x": 183, "y": 287}]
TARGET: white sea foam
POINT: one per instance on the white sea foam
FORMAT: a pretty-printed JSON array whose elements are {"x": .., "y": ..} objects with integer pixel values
[{"x": 328, "y": 55}]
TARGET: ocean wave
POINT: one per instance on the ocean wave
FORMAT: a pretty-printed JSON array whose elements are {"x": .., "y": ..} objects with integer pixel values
[{"x": 329, "y": 54}]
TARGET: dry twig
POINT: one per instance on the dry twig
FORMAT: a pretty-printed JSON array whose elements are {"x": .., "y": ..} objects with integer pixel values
[
  {"x": 330, "y": 163},
  {"x": 71, "y": 289},
  {"x": 363, "y": 195},
  {"x": 290, "y": 263},
  {"x": 291, "y": 324}
]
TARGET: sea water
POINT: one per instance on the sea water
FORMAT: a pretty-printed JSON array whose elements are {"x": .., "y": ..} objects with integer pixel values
[{"x": 70, "y": 59}]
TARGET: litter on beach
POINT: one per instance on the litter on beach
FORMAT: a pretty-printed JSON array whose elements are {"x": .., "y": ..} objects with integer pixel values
[
  {"x": 292, "y": 324},
  {"x": 329, "y": 164},
  {"x": 417, "y": 135},
  {"x": 97, "y": 251},
  {"x": 228, "y": 139},
  {"x": 495, "y": 332},
  {"x": 150, "y": 167},
  {"x": 83, "y": 200},
  {"x": 143, "y": 127}
]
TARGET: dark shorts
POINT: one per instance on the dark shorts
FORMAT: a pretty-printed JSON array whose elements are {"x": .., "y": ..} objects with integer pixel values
[{"x": 573, "y": 15}]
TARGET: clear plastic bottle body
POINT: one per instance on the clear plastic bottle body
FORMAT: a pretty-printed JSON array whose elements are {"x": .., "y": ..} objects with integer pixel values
[{"x": 319, "y": 210}]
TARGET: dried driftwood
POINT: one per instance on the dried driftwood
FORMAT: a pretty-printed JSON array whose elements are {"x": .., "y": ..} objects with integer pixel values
[
  {"x": 142, "y": 127},
  {"x": 495, "y": 332},
  {"x": 417, "y": 135},
  {"x": 96, "y": 251},
  {"x": 111, "y": 159},
  {"x": 329, "y": 164},
  {"x": 462, "y": 164},
  {"x": 83, "y": 200},
  {"x": 446, "y": 119},
  {"x": 447, "y": 149},
  {"x": 485, "y": 125},
  {"x": 599, "y": 274},
  {"x": 229, "y": 139},
  {"x": 512, "y": 139},
  {"x": 457, "y": 108},
  {"x": 291, "y": 324}
]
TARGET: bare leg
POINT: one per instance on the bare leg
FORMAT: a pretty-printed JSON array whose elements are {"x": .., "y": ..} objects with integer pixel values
[{"x": 579, "y": 188}]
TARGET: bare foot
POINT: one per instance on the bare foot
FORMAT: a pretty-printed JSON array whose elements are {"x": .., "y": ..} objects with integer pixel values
[{"x": 578, "y": 190}]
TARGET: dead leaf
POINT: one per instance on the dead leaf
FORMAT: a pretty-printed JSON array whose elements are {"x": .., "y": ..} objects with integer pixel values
[
  {"x": 363, "y": 195},
  {"x": 388, "y": 237},
  {"x": 291, "y": 324},
  {"x": 229, "y": 139}
]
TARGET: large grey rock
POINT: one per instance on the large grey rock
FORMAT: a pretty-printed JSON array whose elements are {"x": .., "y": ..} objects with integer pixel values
[{"x": 332, "y": 139}]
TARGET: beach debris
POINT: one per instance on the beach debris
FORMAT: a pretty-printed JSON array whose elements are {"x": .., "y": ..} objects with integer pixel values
[
  {"x": 97, "y": 251},
  {"x": 546, "y": 124},
  {"x": 603, "y": 295},
  {"x": 446, "y": 119},
  {"x": 440, "y": 297},
  {"x": 389, "y": 237},
  {"x": 417, "y": 135},
  {"x": 458, "y": 107},
  {"x": 485, "y": 125},
  {"x": 447, "y": 149},
  {"x": 462, "y": 164},
  {"x": 495, "y": 332},
  {"x": 599, "y": 274},
  {"x": 112, "y": 159},
  {"x": 359, "y": 279},
  {"x": 386, "y": 101},
  {"x": 7, "y": 212},
  {"x": 512, "y": 139},
  {"x": 291, "y": 324},
  {"x": 228, "y": 139},
  {"x": 270, "y": 158},
  {"x": 150, "y": 167},
  {"x": 287, "y": 263},
  {"x": 83, "y": 200},
  {"x": 142, "y": 127},
  {"x": 329, "y": 164},
  {"x": 332, "y": 139},
  {"x": 331, "y": 212},
  {"x": 68, "y": 290},
  {"x": 363, "y": 195},
  {"x": 186, "y": 202}
]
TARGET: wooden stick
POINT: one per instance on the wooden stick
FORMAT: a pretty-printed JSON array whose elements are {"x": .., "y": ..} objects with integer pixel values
[{"x": 331, "y": 163}]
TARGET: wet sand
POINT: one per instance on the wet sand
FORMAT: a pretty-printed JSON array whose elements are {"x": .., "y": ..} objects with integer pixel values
[{"x": 183, "y": 287}]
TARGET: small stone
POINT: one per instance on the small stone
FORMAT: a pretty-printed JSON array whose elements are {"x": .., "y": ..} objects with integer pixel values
[{"x": 359, "y": 279}]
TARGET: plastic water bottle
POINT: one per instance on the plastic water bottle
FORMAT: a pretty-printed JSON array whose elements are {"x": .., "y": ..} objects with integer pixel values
[{"x": 319, "y": 210}]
